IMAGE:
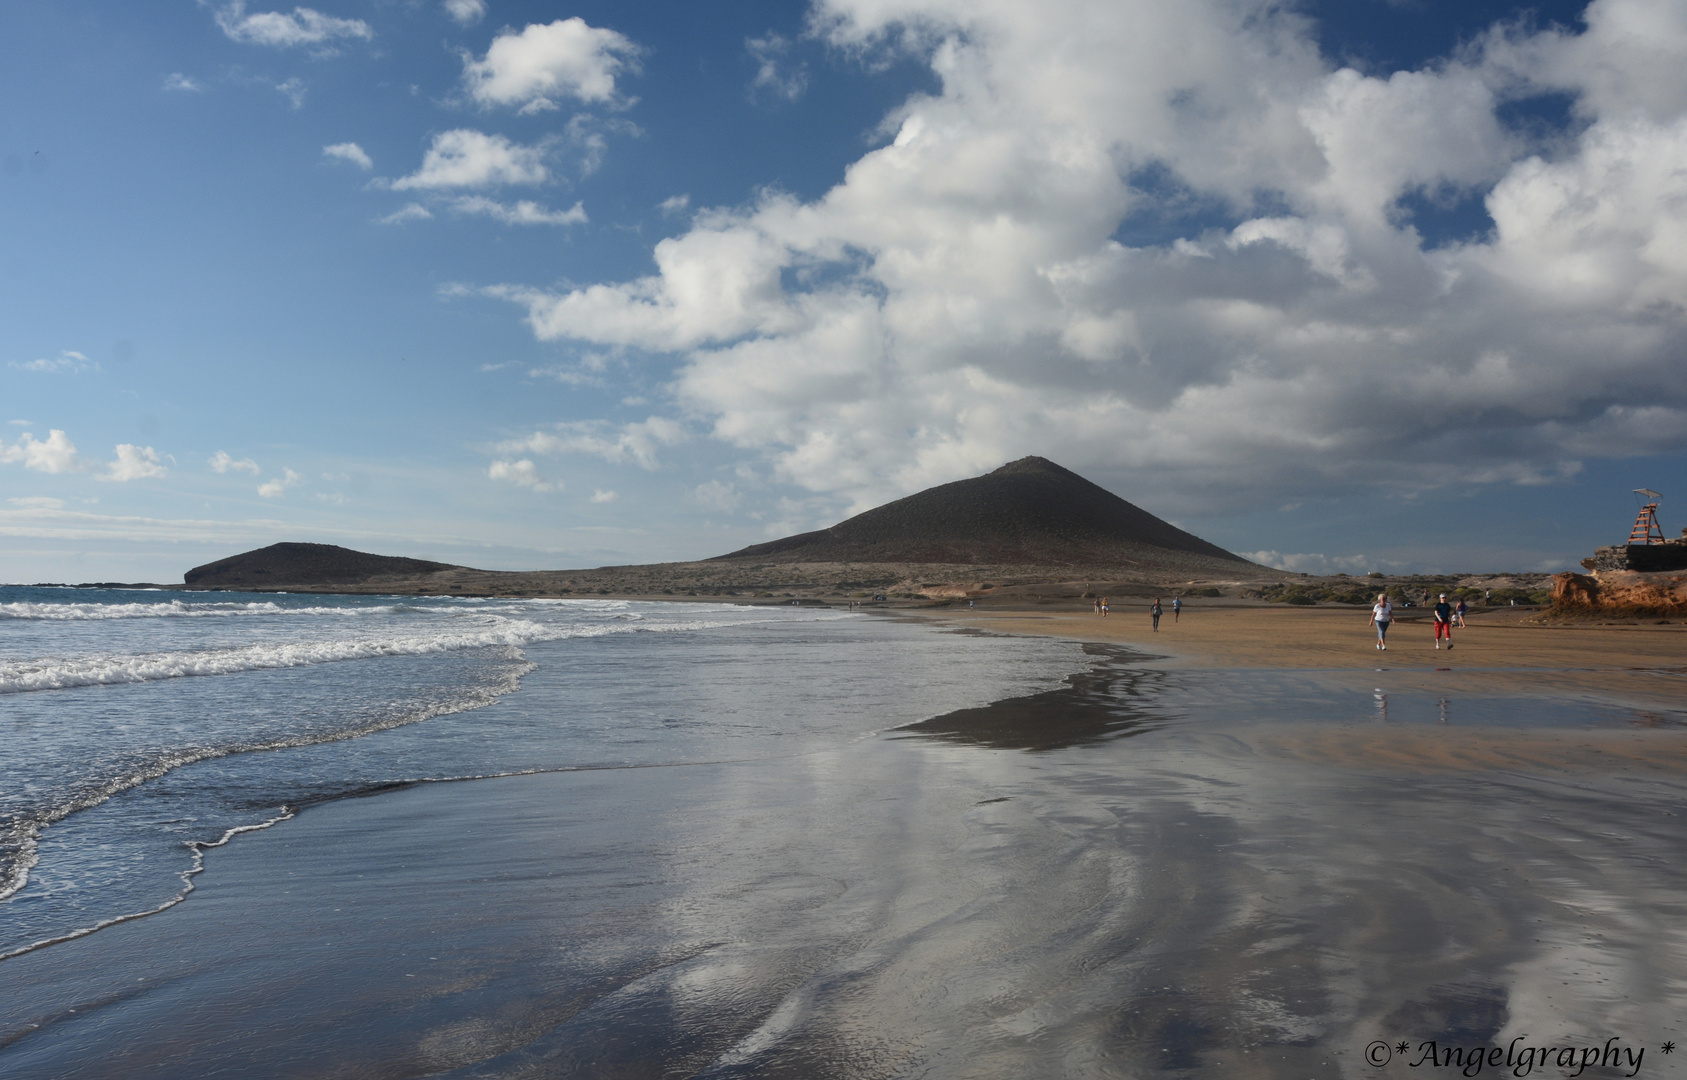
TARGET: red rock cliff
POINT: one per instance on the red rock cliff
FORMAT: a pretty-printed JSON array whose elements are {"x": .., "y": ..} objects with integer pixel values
[{"x": 1621, "y": 592}]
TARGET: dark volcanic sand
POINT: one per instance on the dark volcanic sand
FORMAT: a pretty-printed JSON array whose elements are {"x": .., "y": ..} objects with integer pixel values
[{"x": 1152, "y": 873}]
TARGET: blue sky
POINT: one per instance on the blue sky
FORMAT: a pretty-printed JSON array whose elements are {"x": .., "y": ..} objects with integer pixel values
[{"x": 1343, "y": 286}]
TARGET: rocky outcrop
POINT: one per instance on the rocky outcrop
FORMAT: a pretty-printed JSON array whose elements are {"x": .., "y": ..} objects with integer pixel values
[
  {"x": 1646, "y": 558},
  {"x": 282, "y": 566},
  {"x": 1621, "y": 592}
]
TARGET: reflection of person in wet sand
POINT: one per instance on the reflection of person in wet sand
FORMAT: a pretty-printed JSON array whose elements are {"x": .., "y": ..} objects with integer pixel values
[
  {"x": 1382, "y": 613},
  {"x": 1154, "y": 613}
]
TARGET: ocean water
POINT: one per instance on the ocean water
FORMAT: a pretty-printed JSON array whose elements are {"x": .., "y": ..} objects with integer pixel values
[{"x": 140, "y": 728}]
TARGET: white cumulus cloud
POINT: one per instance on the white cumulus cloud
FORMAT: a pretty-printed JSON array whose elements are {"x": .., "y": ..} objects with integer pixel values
[
  {"x": 717, "y": 496},
  {"x": 349, "y": 151},
  {"x": 405, "y": 214},
  {"x": 177, "y": 81},
  {"x": 524, "y": 212},
  {"x": 467, "y": 158},
  {"x": 293, "y": 90},
  {"x": 970, "y": 291},
  {"x": 602, "y": 496},
  {"x": 277, "y": 486},
  {"x": 522, "y": 473},
  {"x": 301, "y": 26},
  {"x": 134, "y": 463},
  {"x": 466, "y": 12},
  {"x": 634, "y": 443},
  {"x": 772, "y": 75},
  {"x": 1312, "y": 562},
  {"x": 67, "y": 362},
  {"x": 55, "y": 454},
  {"x": 222, "y": 462},
  {"x": 545, "y": 63}
]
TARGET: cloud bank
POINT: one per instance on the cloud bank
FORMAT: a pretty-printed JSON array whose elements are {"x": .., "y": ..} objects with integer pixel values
[{"x": 1169, "y": 238}]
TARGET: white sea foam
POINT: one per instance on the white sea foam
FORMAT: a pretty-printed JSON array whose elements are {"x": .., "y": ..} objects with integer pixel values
[
  {"x": 21, "y": 836},
  {"x": 198, "y": 847},
  {"x": 63, "y": 673},
  {"x": 173, "y": 609}
]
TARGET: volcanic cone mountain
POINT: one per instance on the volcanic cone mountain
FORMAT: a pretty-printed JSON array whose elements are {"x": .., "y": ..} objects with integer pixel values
[
  {"x": 281, "y": 565},
  {"x": 1028, "y": 512}
]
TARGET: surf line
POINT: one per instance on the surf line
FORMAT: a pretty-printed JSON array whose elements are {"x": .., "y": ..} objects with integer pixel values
[{"x": 198, "y": 847}]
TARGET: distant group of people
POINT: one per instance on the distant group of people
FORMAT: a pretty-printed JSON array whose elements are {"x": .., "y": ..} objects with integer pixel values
[
  {"x": 1103, "y": 605},
  {"x": 1446, "y": 616}
]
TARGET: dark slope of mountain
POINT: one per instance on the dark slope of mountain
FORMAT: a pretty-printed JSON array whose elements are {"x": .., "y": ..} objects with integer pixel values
[
  {"x": 280, "y": 565},
  {"x": 1028, "y": 512}
]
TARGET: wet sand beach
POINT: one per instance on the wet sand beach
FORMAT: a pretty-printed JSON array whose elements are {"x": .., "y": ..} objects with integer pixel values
[{"x": 1233, "y": 848}]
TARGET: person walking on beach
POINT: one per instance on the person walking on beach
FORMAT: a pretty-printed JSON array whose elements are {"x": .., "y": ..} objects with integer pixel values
[
  {"x": 1443, "y": 622},
  {"x": 1154, "y": 613},
  {"x": 1104, "y": 607},
  {"x": 1382, "y": 613},
  {"x": 1177, "y": 607},
  {"x": 1458, "y": 614}
]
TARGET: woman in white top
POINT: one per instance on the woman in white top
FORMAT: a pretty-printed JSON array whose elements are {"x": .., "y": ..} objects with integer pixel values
[{"x": 1382, "y": 613}]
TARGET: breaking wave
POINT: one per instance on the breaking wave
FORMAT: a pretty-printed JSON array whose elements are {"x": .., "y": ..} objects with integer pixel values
[
  {"x": 63, "y": 673},
  {"x": 173, "y": 609}
]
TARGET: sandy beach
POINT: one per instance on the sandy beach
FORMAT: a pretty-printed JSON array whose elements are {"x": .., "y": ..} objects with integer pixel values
[
  {"x": 1501, "y": 651},
  {"x": 1242, "y": 846}
]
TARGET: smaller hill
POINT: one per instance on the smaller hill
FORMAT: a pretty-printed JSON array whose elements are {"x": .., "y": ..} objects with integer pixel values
[
  {"x": 280, "y": 565},
  {"x": 1029, "y": 512}
]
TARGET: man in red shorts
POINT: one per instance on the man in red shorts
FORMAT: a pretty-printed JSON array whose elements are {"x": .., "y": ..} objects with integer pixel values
[{"x": 1443, "y": 622}]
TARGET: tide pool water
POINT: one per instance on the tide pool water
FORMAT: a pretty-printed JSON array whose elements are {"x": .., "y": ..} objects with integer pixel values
[{"x": 138, "y": 728}]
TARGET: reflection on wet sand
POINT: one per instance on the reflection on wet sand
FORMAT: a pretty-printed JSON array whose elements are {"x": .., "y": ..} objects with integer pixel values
[
  {"x": 1112, "y": 700},
  {"x": 1195, "y": 873}
]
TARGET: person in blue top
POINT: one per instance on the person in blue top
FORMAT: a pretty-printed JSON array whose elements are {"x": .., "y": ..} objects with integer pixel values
[
  {"x": 1177, "y": 607},
  {"x": 1443, "y": 622}
]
